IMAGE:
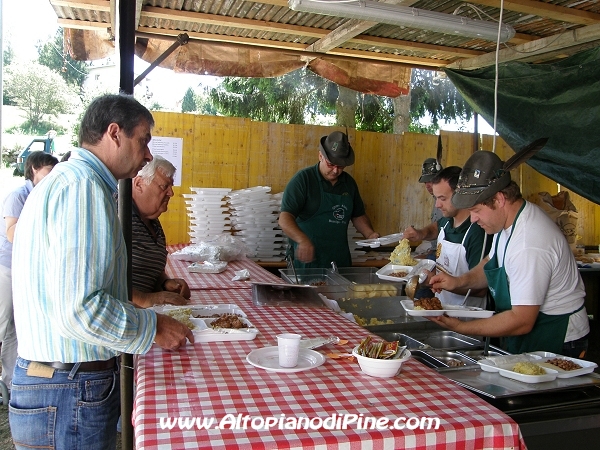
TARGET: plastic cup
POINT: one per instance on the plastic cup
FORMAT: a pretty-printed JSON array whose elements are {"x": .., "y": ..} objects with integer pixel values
[{"x": 289, "y": 346}]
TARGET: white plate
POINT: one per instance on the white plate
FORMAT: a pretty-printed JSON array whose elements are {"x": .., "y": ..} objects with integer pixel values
[
  {"x": 202, "y": 330},
  {"x": 384, "y": 272},
  {"x": 505, "y": 371},
  {"x": 449, "y": 310},
  {"x": 383, "y": 240},
  {"x": 586, "y": 366},
  {"x": 268, "y": 358}
]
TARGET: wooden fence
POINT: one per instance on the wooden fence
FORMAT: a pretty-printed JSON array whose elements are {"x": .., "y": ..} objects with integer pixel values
[{"x": 239, "y": 153}]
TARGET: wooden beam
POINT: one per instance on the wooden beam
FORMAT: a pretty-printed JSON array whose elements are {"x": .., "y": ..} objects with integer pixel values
[
  {"x": 97, "y": 5},
  {"x": 226, "y": 21},
  {"x": 296, "y": 48},
  {"x": 563, "y": 41},
  {"x": 273, "y": 27},
  {"x": 83, "y": 24},
  {"x": 543, "y": 9}
]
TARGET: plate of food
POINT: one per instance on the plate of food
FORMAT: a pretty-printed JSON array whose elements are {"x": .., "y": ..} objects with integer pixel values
[
  {"x": 432, "y": 307},
  {"x": 393, "y": 272},
  {"x": 527, "y": 372},
  {"x": 214, "y": 325},
  {"x": 566, "y": 366}
]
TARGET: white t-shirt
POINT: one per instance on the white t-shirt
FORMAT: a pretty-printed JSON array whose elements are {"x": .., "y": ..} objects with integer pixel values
[{"x": 541, "y": 269}]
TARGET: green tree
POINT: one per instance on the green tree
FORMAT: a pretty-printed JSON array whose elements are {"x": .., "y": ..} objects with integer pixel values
[
  {"x": 38, "y": 91},
  {"x": 8, "y": 55},
  {"x": 301, "y": 96},
  {"x": 52, "y": 54},
  {"x": 188, "y": 104},
  {"x": 291, "y": 98},
  {"x": 436, "y": 97}
]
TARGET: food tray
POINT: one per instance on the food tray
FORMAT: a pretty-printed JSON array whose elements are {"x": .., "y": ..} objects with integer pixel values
[
  {"x": 203, "y": 332},
  {"x": 449, "y": 310},
  {"x": 383, "y": 240},
  {"x": 385, "y": 271},
  {"x": 586, "y": 366},
  {"x": 506, "y": 371}
]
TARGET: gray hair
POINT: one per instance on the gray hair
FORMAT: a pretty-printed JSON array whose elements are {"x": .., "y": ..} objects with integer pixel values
[{"x": 158, "y": 163}]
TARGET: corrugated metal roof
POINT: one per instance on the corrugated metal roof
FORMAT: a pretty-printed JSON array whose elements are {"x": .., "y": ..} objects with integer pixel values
[{"x": 271, "y": 24}]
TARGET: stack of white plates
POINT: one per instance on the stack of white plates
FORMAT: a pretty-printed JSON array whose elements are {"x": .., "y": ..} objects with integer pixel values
[
  {"x": 208, "y": 213},
  {"x": 254, "y": 214}
]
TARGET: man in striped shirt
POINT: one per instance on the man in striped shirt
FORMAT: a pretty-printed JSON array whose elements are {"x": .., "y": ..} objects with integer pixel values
[
  {"x": 151, "y": 191},
  {"x": 72, "y": 313}
]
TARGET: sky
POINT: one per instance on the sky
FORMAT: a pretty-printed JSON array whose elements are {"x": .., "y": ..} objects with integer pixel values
[{"x": 25, "y": 23}]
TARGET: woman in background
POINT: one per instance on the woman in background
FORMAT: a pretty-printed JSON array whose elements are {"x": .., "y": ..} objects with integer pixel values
[{"x": 37, "y": 166}]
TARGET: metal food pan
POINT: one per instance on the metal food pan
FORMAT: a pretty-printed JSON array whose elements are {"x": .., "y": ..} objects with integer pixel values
[
  {"x": 477, "y": 354},
  {"x": 451, "y": 358},
  {"x": 375, "y": 311},
  {"x": 360, "y": 275},
  {"x": 426, "y": 359},
  {"x": 403, "y": 339},
  {"x": 312, "y": 276},
  {"x": 448, "y": 340}
]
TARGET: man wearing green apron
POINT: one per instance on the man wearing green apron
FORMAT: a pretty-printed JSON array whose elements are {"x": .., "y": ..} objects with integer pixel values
[
  {"x": 319, "y": 202},
  {"x": 461, "y": 245},
  {"x": 530, "y": 271}
]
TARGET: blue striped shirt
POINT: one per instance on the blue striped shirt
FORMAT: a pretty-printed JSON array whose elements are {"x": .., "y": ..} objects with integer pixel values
[{"x": 69, "y": 270}]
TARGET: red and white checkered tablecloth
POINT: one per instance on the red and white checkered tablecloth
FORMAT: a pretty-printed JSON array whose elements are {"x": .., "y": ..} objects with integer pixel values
[
  {"x": 178, "y": 269},
  {"x": 214, "y": 380}
]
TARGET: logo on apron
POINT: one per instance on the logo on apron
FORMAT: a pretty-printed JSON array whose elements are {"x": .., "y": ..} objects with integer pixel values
[{"x": 339, "y": 213}]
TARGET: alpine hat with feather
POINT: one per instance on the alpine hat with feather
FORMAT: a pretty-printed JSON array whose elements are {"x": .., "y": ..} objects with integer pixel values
[
  {"x": 484, "y": 174},
  {"x": 336, "y": 148}
]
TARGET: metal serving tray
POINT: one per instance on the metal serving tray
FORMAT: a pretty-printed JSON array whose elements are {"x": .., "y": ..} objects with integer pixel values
[
  {"x": 450, "y": 358},
  {"x": 403, "y": 339},
  {"x": 447, "y": 340},
  {"x": 492, "y": 384}
]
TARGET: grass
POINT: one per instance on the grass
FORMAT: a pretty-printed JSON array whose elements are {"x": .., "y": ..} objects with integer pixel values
[{"x": 5, "y": 436}]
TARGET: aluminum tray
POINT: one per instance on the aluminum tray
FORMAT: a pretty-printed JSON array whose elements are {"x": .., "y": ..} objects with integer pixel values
[
  {"x": 450, "y": 358},
  {"x": 492, "y": 384},
  {"x": 447, "y": 340}
]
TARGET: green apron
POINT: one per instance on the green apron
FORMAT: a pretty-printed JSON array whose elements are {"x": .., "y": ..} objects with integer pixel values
[
  {"x": 548, "y": 332},
  {"x": 328, "y": 231}
]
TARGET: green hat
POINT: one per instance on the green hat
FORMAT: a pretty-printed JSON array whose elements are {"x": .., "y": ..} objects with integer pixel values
[
  {"x": 481, "y": 177},
  {"x": 429, "y": 170},
  {"x": 337, "y": 149}
]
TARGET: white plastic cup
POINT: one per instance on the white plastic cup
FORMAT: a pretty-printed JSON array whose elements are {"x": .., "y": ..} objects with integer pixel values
[{"x": 289, "y": 347}]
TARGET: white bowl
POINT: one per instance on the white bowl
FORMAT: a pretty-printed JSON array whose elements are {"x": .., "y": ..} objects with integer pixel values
[{"x": 382, "y": 368}]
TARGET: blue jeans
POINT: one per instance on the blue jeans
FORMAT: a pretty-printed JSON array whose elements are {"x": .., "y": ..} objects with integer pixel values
[
  {"x": 70, "y": 411},
  {"x": 576, "y": 349}
]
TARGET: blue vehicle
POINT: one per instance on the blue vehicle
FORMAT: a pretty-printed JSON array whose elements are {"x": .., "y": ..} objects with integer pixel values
[{"x": 44, "y": 144}]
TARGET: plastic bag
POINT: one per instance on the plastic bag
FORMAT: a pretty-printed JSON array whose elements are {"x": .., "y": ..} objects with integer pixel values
[
  {"x": 225, "y": 247},
  {"x": 562, "y": 212},
  {"x": 207, "y": 267}
]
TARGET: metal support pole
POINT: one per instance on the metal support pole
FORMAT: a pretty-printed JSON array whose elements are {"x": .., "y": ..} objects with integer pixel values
[
  {"x": 182, "y": 39},
  {"x": 126, "y": 14}
]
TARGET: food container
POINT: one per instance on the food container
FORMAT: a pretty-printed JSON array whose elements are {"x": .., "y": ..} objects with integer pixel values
[
  {"x": 451, "y": 358},
  {"x": 381, "y": 368},
  {"x": 447, "y": 340},
  {"x": 325, "y": 281}
]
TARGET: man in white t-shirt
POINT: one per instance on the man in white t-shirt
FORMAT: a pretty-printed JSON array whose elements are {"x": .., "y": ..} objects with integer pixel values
[{"x": 530, "y": 271}]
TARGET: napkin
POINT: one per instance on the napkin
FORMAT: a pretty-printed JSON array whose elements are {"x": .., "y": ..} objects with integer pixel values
[{"x": 241, "y": 275}]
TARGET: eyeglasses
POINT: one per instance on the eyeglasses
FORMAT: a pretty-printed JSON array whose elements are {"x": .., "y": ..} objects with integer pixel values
[
  {"x": 163, "y": 187},
  {"x": 333, "y": 166}
]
